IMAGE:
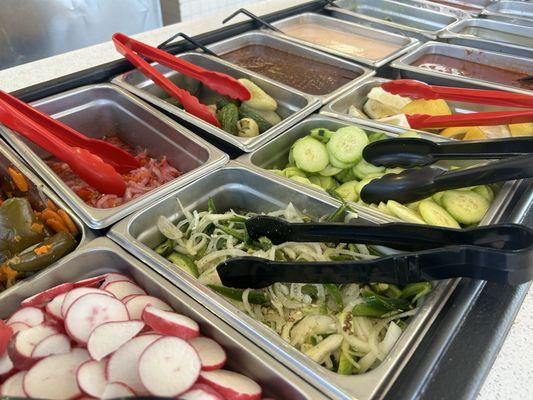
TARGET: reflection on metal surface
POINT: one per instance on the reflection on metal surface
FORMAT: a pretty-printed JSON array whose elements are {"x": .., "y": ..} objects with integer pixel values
[{"x": 34, "y": 29}]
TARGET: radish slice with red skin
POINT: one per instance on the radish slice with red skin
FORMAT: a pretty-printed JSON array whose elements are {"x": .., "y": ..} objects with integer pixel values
[
  {"x": 13, "y": 386},
  {"x": 54, "y": 307},
  {"x": 137, "y": 304},
  {"x": 129, "y": 297},
  {"x": 53, "y": 344},
  {"x": 21, "y": 346},
  {"x": 59, "y": 373},
  {"x": 122, "y": 289},
  {"x": 6, "y": 333},
  {"x": 201, "y": 391},
  {"x": 108, "y": 337},
  {"x": 32, "y": 316},
  {"x": 116, "y": 390},
  {"x": 43, "y": 298},
  {"x": 212, "y": 355},
  {"x": 112, "y": 277},
  {"x": 6, "y": 366},
  {"x": 75, "y": 294},
  {"x": 93, "y": 282},
  {"x": 90, "y": 311},
  {"x": 91, "y": 378},
  {"x": 122, "y": 365},
  {"x": 170, "y": 323},
  {"x": 231, "y": 385},
  {"x": 169, "y": 367},
  {"x": 18, "y": 326}
]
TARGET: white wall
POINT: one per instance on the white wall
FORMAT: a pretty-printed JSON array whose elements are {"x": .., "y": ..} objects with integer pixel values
[{"x": 191, "y": 9}]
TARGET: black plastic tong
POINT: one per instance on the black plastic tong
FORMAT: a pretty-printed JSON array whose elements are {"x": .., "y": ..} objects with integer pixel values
[
  {"x": 499, "y": 253},
  {"x": 415, "y": 184}
]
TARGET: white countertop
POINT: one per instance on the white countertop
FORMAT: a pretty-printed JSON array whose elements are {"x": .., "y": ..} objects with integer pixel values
[{"x": 511, "y": 376}]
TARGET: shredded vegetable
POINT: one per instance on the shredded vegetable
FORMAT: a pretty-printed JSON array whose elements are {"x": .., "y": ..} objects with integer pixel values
[{"x": 348, "y": 329}]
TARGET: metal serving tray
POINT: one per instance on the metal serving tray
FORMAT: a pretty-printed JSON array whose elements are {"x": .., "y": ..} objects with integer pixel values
[
  {"x": 102, "y": 255},
  {"x": 282, "y": 44},
  {"x": 357, "y": 96},
  {"x": 238, "y": 186},
  {"x": 449, "y": 8},
  {"x": 292, "y": 105},
  {"x": 412, "y": 21},
  {"x": 276, "y": 154},
  {"x": 491, "y": 35},
  {"x": 520, "y": 10},
  {"x": 406, "y": 43},
  {"x": 40, "y": 191},
  {"x": 103, "y": 109},
  {"x": 406, "y": 70}
]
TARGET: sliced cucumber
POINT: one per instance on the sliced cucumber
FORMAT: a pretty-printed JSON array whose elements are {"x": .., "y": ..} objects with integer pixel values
[
  {"x": 310, "y": 154},
  {"x": 347, "y": 191},
  {"x": 327, "y": 182},
  {"x": 466, "y": 207},
  {"x": 294, "y": 171},
  {"x": 484, "y": 191},
  {"x": 291, "y": 157},
  {"x": 321, "y": 134},
  {"x": 184, "y": 262},
  {"x": 384, "y": 209},
  {"x": 346, "y": 175},
  {"x": 347, "y": 144},
  {"x": 437, "y": 198},
  {"x": 330, "y": 170},
  {"x": 375, "y": 136},
  {"x": 314, "y": 179},
  {"x": 414, "y": 205},
  {"x": 364, "y": 168},
  {"x": 434, "y": 214},
  {"x": 339, "y": 164},
  {"x": 404, "y": 213}
]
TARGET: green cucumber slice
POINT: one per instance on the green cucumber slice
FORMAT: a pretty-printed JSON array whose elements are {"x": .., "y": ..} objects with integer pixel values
[
  {"x": 384, "y": 209},
  {"x": 346, "y": 175},
  {"x": 484, "y": 191},
  {"x": 330, "y": 170},
  {"x": 364, "y": 168},
  {"x": 310, "y": 155},
  {"x": 437, "y": 198},
  {"x": 294, "y": 171},
  {"x": 339, "y": 164},
  {"x": 347, "y": 191},
  {"x": 466, "y": 207},
  {"x": 347, "y": 144},
  {"x": 327, "y": 182},
  {"x": 434, "y": 214},
  {"x": 404, "y": 213}
]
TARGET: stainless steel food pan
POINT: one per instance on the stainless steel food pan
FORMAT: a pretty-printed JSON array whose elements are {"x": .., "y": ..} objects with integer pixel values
[
  {"x": 238, "y": 186},
  {"x": 450, "y": 7},
  {"x": 39, "y": 192},
  {"x": 104, "y": 109},
  {"x": 405, "y": 44},
  {"x": 358, "y": 95},
  {"x": 102, "y": 256},
  {"x": 292, "y": 105},
  {"x": 276, "y": 153},
  {"x": 519, "y": 10},
  {"x": 491, "y": 35},
  {"x": 412, "y": 21},
  {"x": 406, "y": 70},
  {"x": 276, "y": 42}
]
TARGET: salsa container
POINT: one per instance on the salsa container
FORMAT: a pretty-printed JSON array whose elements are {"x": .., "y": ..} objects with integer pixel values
[
  {"x": 239, "y": 186},
  {"x": 491, "y": 35},
  {"x": 292, "y": 105},
  {"x": 102, "y": 256},
  {"x": 276, "y": 153},
  {"x": 98, "y": 110},
  {"x": 276, "y": 42},
  {"x": 406, "y": 43},
  {"x": 408, "y": 71},
  {"x": 411, "y": 21}
]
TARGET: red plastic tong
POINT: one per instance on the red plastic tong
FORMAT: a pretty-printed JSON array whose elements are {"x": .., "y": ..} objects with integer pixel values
[
  {"x": 420, "y": 90},
  {"x": 93, "y": 160},
  {"x": 219, "y": 82}
]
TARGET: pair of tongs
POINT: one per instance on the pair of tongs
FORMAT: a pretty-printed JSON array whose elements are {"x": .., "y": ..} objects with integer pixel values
[
  {"x": 93, "y": 160},
  {"x": 420, "y": 90},
  {"x": 418, "y": 183},
  {"x": 498, "y": 253},
  {"x": 224, "y": 84}
]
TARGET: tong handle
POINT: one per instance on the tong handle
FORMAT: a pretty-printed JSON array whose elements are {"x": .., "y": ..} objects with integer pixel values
[
  {"x": 483, "y": 149},
  {"x": 188, "y": 39},
  {"x": 422, "y": 121},
  {"x": 252, "y": 16}
]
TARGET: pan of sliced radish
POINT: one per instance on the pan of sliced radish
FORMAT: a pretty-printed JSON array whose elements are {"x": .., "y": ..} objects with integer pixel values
[{"x": 121, "y": 334}]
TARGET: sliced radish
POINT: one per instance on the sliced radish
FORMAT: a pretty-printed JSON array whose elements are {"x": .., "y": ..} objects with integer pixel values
[
  {"x": 231, "y": 385},
  {"x": 18, "y": 326},
  {"x": 54, "y": 377},
  {"x": 122, "y": 289},
  {"x": 93, "y": 282},
  {"x": 116, "y": 390},
  {"x": 169, "y": 367},
  {"x": 129, "y": 297},
  {"x": 201, "y": 391},
  {"x": 137, "y": 303},
  {"x": 31, "y": 316},
  {"x": 54, "y": 307},
  {"x": 108, "y": 337},
  {"x": 42, "y": 298},
  {"x": 170, "y": 323},
  {"x": 90, "y": 311},
  {"x": 13, "y": 386},
  {"x": 53, "y": 344},
  {"x": 114, "y": 276},
  {"x": 212, "y": 355},
  {"x": 75, "y": 294},
  {"x": 122, "y": 366},
  {"x": 6, "y": 333},
  {"x": 91, "y": 378},
  {"x": 6, "y": 366},
  {"x": 22, "y": 345}
]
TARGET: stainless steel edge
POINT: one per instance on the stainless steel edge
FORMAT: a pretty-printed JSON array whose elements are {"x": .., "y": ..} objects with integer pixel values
[
  {"x": 451, "y": 7},
  {"x": 342, "y": 10},
  {"x": 119, "y": 110},
  {"x": 453, "y": 35},
  {"x": 102, "y": 256},
  {"x": 294, "y": 104},
  {"x": 265, "y": 38},
  {"x": 242, "y": 186},
  {"x": 519, "y": 10},
  {"x": 406, "y": 70},
  {"x": 408, "y": 43}
]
